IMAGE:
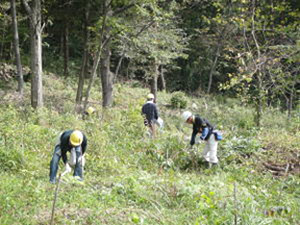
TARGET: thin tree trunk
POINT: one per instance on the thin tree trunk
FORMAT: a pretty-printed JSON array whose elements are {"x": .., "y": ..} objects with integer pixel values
[
  {"x": 106, "y": 78},
  {"x": 119, "y": 66},
  {"x": 3, "y": 41},
  {"x": 66, "y": 49},
  {"x": 162, "y": 78},
  {"x": 94, "y": 72},
  {"x": 83, "y": 71},
  {"x": 154, "y": 79},
  {"x": 17, "y": 49},
  {"x": 290, "y": 105},
  {"x": 212, "y": 69},
  {"x": 97, "y": 58},
  {"x": 259, "y": 73},
  {"x": 36, "y": 52}
]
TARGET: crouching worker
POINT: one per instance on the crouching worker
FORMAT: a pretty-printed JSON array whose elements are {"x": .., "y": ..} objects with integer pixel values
[
  {"x": 150, "y": 113},
  {"x": 206, "y": 130},
  {"x": 89, "y": 111},
  {"x": 75, "y": 142}
]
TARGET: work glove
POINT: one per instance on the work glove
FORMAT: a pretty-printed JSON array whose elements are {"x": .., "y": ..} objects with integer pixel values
[{"x": 68, "y": 168}]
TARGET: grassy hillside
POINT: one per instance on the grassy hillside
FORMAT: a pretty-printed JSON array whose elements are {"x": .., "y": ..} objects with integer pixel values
[{"x": 130, "y": 179}]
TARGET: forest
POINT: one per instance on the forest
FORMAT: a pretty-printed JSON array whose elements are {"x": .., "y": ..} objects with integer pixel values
[{"x": 234, "y": 62}]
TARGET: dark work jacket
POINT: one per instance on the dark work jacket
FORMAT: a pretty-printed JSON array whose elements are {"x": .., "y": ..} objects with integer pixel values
[
  {"x": 66, "y": 146},
  {"x": 150, "y": 111},
  {"x": 201, "y": 126}
]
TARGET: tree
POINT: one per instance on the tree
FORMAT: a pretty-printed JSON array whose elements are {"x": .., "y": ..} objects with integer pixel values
[
  {"x": 16, "y": 47},
  {"x": 35, "y": 18},
  {"x": 100, "y": 43},
  {"x": 265, "y": 69},
  {"x": 85, "y": 57},
  {"x": 160, "y": 43}
]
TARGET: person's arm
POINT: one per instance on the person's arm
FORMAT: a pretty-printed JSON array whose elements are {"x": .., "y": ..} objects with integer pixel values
[
  {"x": 142, "y": 111},
  {"x": 64, "y": 156},
  {"x": 156, "y": 114},
  {"x": 195, "y": 131},
  {"x": 204, "y": 134},
  {"x": 84, "y": 144}
]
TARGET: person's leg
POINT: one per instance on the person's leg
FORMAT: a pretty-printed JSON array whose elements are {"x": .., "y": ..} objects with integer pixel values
[
  {"x": 153, "y": 130},
  {"x": 54, "y": 163},
  {"x": 78, "y": 167},
  {"x": 213, "y": 146},
  {"x": 205, "y": 152}
]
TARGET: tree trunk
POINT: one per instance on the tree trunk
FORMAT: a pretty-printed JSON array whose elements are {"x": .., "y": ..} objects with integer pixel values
[
  {"x": 212, "y": 69},
  {"x": 97, "y": 57},
  {"x": 36, "y": 52},
  {"x": 106, "y": 77},
  {"x": 16, "y": 47},
  {"x": 154, "y": 79},
  {"x": 290, "y": 102},
  {"x": 119, "y": 66},
  {"x": 84, "y": 68},
  {"x": 259, "y": 100},
  {"x": 94, "y": 72},
  {"x": 259, "y": 87},
  {"x": 162, "y": 78},
  {"x": 66, "y": 49}
]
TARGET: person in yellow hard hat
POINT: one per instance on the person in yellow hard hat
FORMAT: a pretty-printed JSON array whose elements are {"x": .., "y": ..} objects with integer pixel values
[
  {"x": 150, "y": 113},
  {"x": 89, "y": 111},
  {"x": 75, "y": 142}
]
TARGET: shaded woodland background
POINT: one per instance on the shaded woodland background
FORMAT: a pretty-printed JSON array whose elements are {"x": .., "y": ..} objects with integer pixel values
[{"x": 239, "y": 48}]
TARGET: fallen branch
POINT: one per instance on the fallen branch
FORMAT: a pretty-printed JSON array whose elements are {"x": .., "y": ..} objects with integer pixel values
[{"x": 275, "y": 168}]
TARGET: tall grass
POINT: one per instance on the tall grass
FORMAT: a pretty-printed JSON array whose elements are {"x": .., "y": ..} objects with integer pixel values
[{"x": 131, "y": 179}]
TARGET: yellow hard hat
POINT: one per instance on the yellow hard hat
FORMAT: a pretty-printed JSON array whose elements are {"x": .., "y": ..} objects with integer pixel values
[
  {"x": 90, "y": 110},
  {"x": 76, "y": 138},
  {"x": 150, "y": 96}
]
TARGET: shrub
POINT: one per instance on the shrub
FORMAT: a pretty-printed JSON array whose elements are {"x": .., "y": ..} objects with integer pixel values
[
  {"x": 11, "y": 159},
  {"x": 179, "y": 100}
]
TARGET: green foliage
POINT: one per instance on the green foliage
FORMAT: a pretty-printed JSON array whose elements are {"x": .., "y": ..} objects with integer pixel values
[
  {"x": 132, "y": 179},
  {"x": 237, "y": 147},
  {"x": 178, "y": 100}
]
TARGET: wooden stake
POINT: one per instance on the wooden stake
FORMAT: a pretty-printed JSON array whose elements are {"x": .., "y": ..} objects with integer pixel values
[{"x": 54, "y": 200}]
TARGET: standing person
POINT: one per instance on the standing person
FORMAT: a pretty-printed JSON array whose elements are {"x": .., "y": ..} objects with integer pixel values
[
  {"x": 75, "y": 142},
  {"x": 150, "y": 113},
  {"x": 207, "y": 131}
]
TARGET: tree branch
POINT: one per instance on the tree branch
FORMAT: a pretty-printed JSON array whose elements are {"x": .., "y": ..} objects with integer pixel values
[
  {"x": 27, "y": 7},
  {"x": 120, "y": 10}
]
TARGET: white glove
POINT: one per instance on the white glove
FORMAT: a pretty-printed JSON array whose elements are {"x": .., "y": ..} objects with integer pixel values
[
  {"x": 68, "y": 169},
  {"x": 83, "y": 161}
]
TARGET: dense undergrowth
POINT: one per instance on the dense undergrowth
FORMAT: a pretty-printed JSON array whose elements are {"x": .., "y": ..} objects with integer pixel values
[{"x": 130, "y": 179}]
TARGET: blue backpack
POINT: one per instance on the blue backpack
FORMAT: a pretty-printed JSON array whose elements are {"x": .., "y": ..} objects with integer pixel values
[{"x": 218, "y": 135}]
